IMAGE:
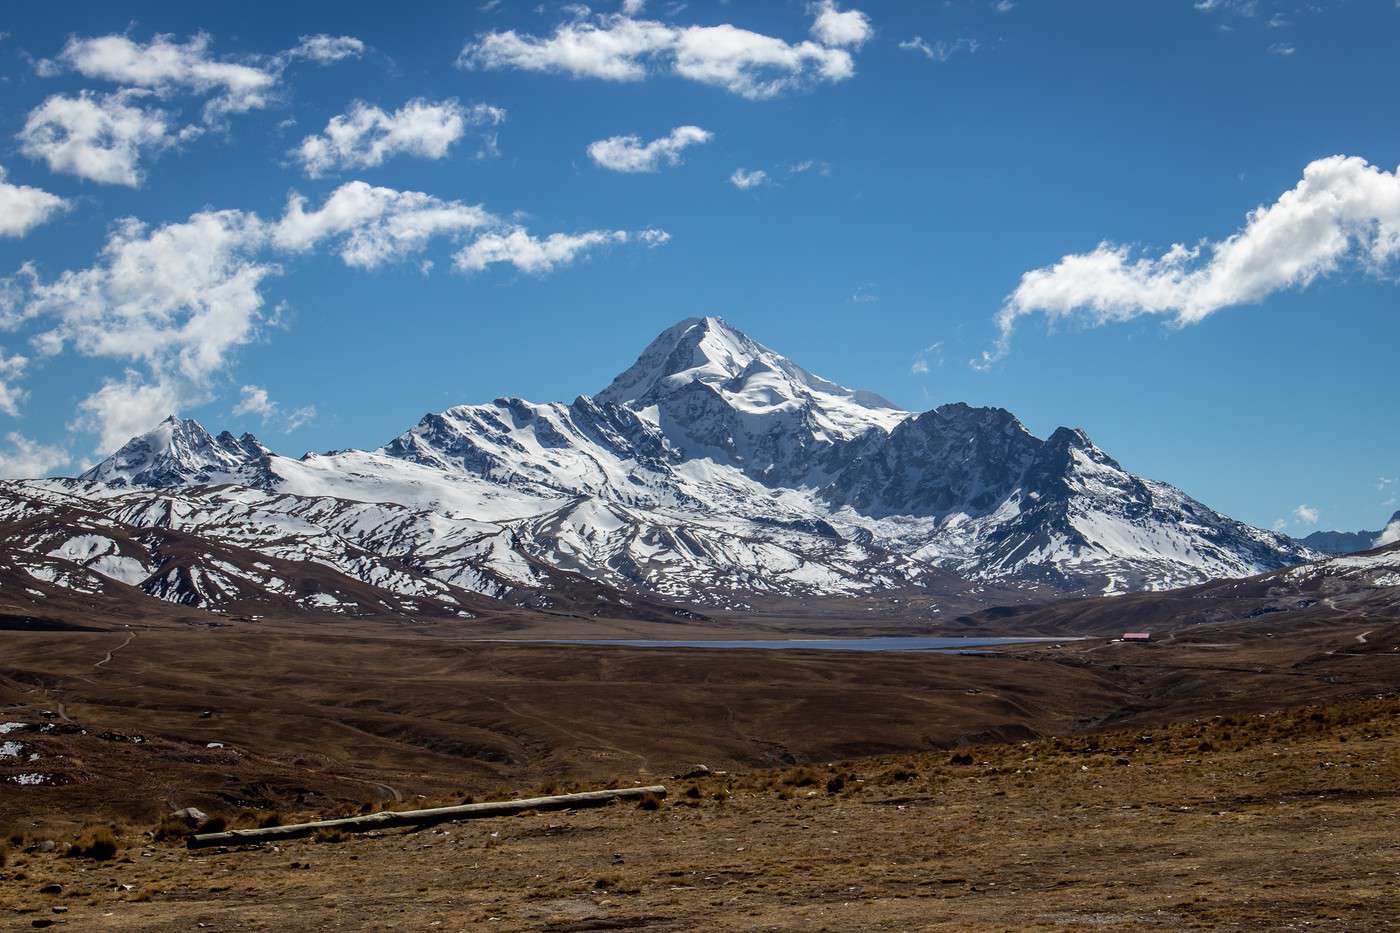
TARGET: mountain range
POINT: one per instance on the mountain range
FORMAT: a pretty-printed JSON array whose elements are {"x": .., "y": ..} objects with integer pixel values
[
  {"x": 713, "y": 474},
  {"x": 1347, "y": 542}
]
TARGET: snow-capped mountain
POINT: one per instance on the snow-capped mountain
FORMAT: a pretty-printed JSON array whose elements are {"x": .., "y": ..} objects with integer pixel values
[
  {"x": 713, "y": 471},
  {"x": 1347, "y": 542},
  {"x": 180, "y": 452}
]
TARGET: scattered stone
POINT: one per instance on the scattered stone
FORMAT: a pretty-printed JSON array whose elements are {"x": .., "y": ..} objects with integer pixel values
[
  {"x": 191, "y": 815},
  {"x": 46, "y": 845},
  {"x": 698, "y": 771},
  {"x": 59, "y": 909},
  {"x": 54, "y": 888},
  {"x": 960, "y": 759}
]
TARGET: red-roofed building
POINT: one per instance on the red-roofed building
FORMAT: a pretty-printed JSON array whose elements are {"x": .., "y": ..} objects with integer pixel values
[{"x": 1137, "y": 636}]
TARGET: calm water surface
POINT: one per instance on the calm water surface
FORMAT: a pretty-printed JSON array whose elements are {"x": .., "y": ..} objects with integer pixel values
[{"x": 886, "y": 643}]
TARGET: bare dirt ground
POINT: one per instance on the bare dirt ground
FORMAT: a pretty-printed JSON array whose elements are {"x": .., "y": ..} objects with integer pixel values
[
  {"x": 1279, "y": 820},
  {"x": 1149, "y": 809}
]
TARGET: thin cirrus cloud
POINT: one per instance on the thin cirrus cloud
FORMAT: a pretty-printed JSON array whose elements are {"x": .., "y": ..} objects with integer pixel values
[
  {"x": 1342, "y": 209},
  {"x": 255, "y": 400},
  {"x": 630, "y": 154},
  {"x": 940, "y": 50},
  {"x": 620, "y": 47},
  {"x": 366, "y": 136},
  {"x": 175, "y": 303},
  {"x": 23, "y": 207}
]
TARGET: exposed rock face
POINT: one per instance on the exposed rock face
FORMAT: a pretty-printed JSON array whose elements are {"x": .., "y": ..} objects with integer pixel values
[{"x": 714, "y": 471}]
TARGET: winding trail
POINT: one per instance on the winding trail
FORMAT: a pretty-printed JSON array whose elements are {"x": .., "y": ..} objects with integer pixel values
[{"x": 111, "y": 651}]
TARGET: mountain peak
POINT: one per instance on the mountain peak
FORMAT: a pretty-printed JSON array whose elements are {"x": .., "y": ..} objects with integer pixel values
[
  {"x": 180, "y": 451},
  {"x": 750, "y": 377}
]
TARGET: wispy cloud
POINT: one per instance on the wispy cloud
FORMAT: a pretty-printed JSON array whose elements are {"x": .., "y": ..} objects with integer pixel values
[
  {"x": 743, "y": 179},
  {"x": 929, "y": 357},
  {"x": 939, "y": 50}
]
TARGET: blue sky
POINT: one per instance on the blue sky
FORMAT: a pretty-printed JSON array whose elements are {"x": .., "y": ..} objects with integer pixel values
[{"x": 918, "y": 160}]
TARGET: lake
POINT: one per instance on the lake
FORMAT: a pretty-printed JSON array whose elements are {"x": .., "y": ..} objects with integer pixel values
[{"x": 874, "y": 643}]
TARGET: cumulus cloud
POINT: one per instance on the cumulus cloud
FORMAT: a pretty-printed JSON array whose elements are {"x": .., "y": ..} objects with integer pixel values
[
  {"x": 374, "y": 225},
  {"x": 1342, "y": 209},
  {"x": 22, "y": 208},
  {"x": 630, "y": 154},
  {"x": 28, "y": 459},
  {"x": 1282, "y": 49},
  {"x": 833, "y": 27},
  {"x": 175, "y": 303},
  {"x": 1306, "y": 515},
  {"x": 620, "y": 47},
  {"x": 125, "y": 407},
  {"x": 544, "y": 254},
  {"x": 940, "y": 50},
  {"x": 744, "y": 179},
  {"x": 100, "y": 138},
  {"x": 166, "y": 67},
  {"x": 327, "y": 50},
  {"x": 254, "y": 400},
  {"x": 178, "y": 299},
  {"x": 367, "y": 135},
  {"x": 11, "y": 369}
]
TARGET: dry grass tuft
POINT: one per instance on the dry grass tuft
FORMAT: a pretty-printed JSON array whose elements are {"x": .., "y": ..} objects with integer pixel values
[{"x": 98, "y": 843}]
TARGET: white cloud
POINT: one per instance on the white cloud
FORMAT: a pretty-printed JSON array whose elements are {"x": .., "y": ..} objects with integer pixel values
[
  {"x": 376, "y": 225},
  {"x": 27, "y": 459},
  {"x": 630, "y": 154},
  {"x": 835, "y": 28},
  {"x": 544, "y": 254},
  {"x": 1003, "y": 6},
  {"x": 1306, "y": 515},
  {"x": 101, "y": 139},
  {"x": 125, "y": 407},
  {"x": 176, "y": 302},
  {"x": 1390, "y": 535},
  {"x": 178, "y": 298},
  {"x": 298, "y": 418},
  {"x": 254, "y": 400},
  {"x": 1238, "y": 7},
  {"x": 927, "y": 358},
  {"x": 744, "y": 179},
  {"x": 1283, "y": 49},
  {"x": 366, "y": 136},
  {"x": 327, "y": 50},
  {"x": 166, "y": 66},
  {"x": 22, "y": 208},
  {"x": 864, "y": 295},
  {"x": 11, "y": 369},
  {"x": 619, "y": 47},
  {"x": 1343, "y": 208},
  {"x": 940, "y": 50}
]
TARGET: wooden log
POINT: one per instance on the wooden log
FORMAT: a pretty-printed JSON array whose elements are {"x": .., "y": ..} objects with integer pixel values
[{"x": 387, "y": 819}]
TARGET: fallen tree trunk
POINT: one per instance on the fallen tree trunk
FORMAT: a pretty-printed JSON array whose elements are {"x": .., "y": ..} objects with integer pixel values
[{"x": 388, "y": 819}]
